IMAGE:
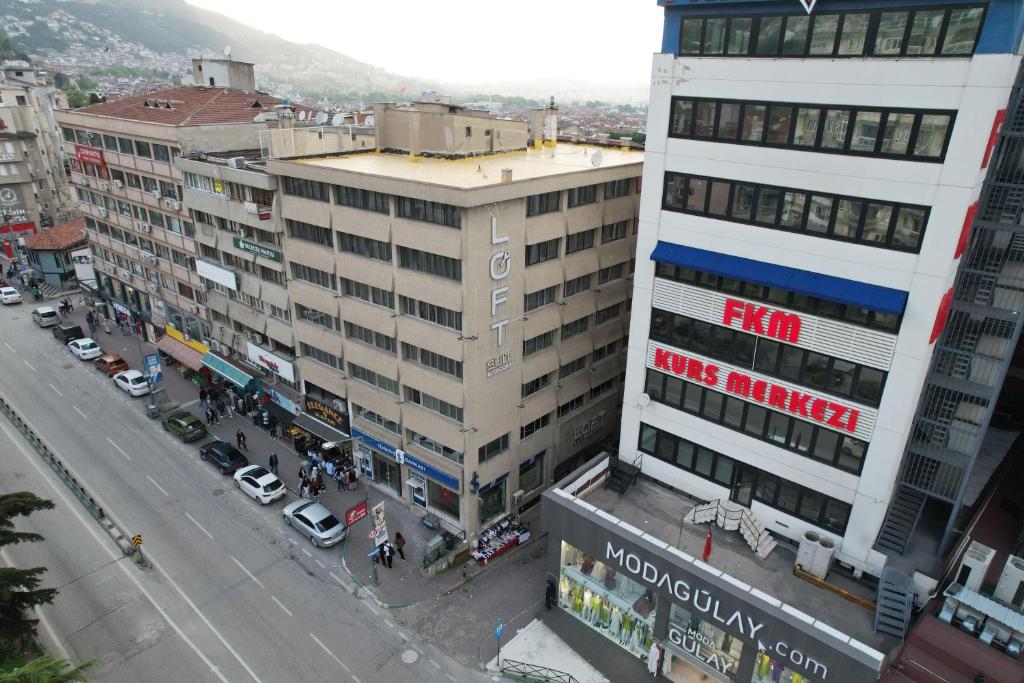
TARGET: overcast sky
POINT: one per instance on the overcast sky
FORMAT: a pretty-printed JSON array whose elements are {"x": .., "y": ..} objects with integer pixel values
[{"x": 467, "y": 41}]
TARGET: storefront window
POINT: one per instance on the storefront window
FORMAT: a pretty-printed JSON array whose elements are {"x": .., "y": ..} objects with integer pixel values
[
  {"x": 492, "y": 502},
  {"x": 609, "y": 602},
  {"x": 710, "y": 646},
  {"x": 532, "y": 475},
  {"x": 418, "y": 491},
  {"x": 442, "y": 499},
  {"x": 769, "y": 670}
]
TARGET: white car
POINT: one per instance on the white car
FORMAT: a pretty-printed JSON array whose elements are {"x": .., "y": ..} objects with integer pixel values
[
  {"x": 44, "y": 316},
  {"x": 85, "y": 349},
  {"x": 9, "y": 295},
  {"x": 259, "y": 483},
  {"x": 133, "y": 382}
]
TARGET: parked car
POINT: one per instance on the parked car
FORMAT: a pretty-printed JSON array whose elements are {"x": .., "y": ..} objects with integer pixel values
[
  {"x": 315, "y": 522},
  {"x": 133, "y": 382},
  {"x": 224, "y": 456},
  {"x": 184, "y": 425},
  {"x": 111, "y": 364},
  {"x": 259, "y": 483},
  {"x": 85, "y": 348},
  {"x": 44, "y": 316},
  {"x": 9, "y": 295},
  {"x": 67, "y": 332}
]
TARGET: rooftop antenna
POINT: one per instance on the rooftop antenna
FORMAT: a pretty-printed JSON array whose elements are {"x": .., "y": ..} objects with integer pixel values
[{"x": 227, "y": 51}]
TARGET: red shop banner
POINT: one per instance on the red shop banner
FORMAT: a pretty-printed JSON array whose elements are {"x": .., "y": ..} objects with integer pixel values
[
  {"x": 354, "y": 514},
  {"x": 89, "y": 155}
]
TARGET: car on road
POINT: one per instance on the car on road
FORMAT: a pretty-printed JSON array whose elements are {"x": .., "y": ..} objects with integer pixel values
[
  {"x": 184, "y": 425},
  {"x": 315, "y": 522},
  {"x": 85, "y": 348},
  {"x": 133, "y": 382},
  {"x": 67, "y": 332},
  {"x": 44, "y": 316},
  {"x": 259, "y": 483},
  {"x": 111, "y": 364},
  {"x": 224, "y": 456},
  {"x": 9, "y": 295}
]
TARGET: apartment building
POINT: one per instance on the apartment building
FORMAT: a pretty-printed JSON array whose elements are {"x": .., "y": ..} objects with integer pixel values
[{"x": 462, "y": 292}]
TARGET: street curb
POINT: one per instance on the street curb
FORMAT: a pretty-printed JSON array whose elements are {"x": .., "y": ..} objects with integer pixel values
[{"x": 470, "y": 577}]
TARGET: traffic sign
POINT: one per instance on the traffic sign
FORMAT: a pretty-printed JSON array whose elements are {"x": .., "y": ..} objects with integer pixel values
[
  {"x": 374, "y": 532},
  {"x": 499, "y": 631},
  {"x": 137, "y": 540}
]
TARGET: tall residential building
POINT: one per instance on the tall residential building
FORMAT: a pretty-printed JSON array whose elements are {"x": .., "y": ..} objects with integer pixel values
[{"x": 463, "y": 291}]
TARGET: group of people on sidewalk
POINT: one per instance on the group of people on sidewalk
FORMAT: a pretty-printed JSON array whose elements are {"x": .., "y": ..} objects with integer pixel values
[
  {"x": 386, "y": 550},
  {"x": 218, "y": 404}
]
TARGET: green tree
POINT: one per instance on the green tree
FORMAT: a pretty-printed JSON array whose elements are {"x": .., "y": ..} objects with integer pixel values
[
  {"x": 76, "y": 98},
  {"x": 47, "y": 670},
  {"x": 19, "y": 588},
  {"x": 86, "y": 84}
]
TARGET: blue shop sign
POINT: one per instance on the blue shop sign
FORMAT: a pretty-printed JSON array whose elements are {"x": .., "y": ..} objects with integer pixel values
[
  {"x": 377, "y": 444},
  {"x": 437, "y": 475}
]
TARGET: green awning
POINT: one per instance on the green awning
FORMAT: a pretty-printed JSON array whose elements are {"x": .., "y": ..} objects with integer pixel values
[{"x": 227, "y": 370}]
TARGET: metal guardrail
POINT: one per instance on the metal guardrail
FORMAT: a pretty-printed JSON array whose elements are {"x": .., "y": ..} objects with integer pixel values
[{"x": 533, "y": 672}]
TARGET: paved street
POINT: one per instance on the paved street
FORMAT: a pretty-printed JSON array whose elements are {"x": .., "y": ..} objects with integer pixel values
[{"x": 232, "y": 593}]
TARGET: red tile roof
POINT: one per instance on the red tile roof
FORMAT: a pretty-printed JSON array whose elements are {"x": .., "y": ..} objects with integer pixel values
[
  {"x": 191, "y": 105},
  {"x": 60, "y": 237}
]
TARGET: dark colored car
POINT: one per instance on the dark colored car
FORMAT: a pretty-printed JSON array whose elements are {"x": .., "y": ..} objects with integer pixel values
[
  {"x": 184, "y": 425},
  {"x": 226, "y": 457},
  {"x": 68, "y": 333}
]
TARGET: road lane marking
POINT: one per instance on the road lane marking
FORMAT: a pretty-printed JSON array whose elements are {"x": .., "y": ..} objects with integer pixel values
[
  {"x": 153, "y": 482},
  {"x": 435, "y": 663},
  {"x": 56, "y": 390},
  {"x": 330, "y": 654},
  {"x": 355, "y": 679},
  {"x": 10, "y": 347},
  {"x": 192, "y": 519},
  {"x": 404, "y": 637},
  {"x": 286, "y": 610},
  {"x": 307, "y": 553},
  {"x": 80, "y": 412},
  {"x": 118, "y": 448},
  {"x": 28, "y": 364},
  {"x": 322, "y": 565},
  {"x": 249, "y": 573},
  {"x": 451, "y": 678},
  {"x": 338, "y": 579},
  {"x": 373, "y": 609},
  {"x": 389, "y": 624}
]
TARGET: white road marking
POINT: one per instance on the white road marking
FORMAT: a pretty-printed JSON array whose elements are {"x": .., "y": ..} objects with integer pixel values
[
  {"x": 153, "y": 482},
  {"x": 322, "y": 565},
  {"x": 369, "y": 606},
  {"x": 330, "y": 654},
  {"x": 450, "y": 677},
  {"x": 286, "y": 610},
  {"x": 356, "y": 679},
  {"x": 249, "y": 573},
  {"x": 28, "y": 364},
  {"x": 80, "y": 412},
  {"x": 435, "y": 663},
  {"x": 119, "y": 450},
  {"x": 388, "y": 624},
  {"x": 192, "y": 519},
  {"x": 307, "y": 553},
  {"x": 404, "y": 637},
  {"x": 56, "y": 390},
  {"x": 338, "y": 579},
  {"x": 10, "y": 347}
]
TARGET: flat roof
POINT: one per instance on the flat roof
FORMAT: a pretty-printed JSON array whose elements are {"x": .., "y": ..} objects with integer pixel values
[
  {"x": 658, "y": 511},
  {"x": 481, "y": 171}
]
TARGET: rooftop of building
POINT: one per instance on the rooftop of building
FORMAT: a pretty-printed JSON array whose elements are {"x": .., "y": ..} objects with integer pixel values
[
  {"x": 59, "y": 237},
  {"x": 480, "y": 171},
  {"x": 192, "y": 105},
  {"x": 659, "y": 511}
]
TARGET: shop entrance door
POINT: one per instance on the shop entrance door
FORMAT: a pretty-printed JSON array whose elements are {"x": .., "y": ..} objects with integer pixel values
[
  {"x": 742, "y": 490},
  {"x": 390, "y": 474}
]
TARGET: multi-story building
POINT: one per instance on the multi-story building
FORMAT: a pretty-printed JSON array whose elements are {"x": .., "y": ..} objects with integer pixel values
[{"x": 464, "y": 295}]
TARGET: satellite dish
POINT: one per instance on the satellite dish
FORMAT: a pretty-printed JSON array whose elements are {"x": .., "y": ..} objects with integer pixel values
[
  {"x": 227, "y": 51},
  {"x": 643, "y": 400},
  {"x": 337, "y": 119},
  {"x": 596, "y": 159},
  {"x": 302, "y": 115},
  {"x": 321, "y": 118}
]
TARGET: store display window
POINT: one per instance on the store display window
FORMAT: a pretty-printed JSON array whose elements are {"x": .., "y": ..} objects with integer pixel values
[
  {"x": 709, "y": 645},
  {"x": 492, "y": 502},
  {"x": 770, "y": 670},
  {"x": 443, "y": 499},
  {"x": 609, "y": 602}
]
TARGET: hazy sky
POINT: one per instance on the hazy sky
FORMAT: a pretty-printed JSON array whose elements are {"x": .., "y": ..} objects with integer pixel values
[{"x": 466, "y": 41}]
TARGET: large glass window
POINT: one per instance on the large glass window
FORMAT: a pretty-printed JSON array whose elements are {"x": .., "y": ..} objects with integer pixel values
[
  {"x": 443, "y": 499},
  {"x": 492, "y": 502},
  {"x": 707, "y": 643},
  {"x": 531, "y": 473}
]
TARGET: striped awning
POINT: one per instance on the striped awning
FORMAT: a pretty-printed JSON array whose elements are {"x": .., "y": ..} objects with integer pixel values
[
  {"x": 226, "y": 370},
  {"x": 186, "y": 355}
]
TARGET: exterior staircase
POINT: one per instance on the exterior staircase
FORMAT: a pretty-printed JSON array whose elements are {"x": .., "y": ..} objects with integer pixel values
[
  {"x": 735, "y": 517},
  {"x": 621, "y": 475},
  {"x": 894, "y": 603},
  {"x": 901, "y": 520}
]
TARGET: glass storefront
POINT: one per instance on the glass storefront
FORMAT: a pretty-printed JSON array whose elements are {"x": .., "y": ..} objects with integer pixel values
[
  {"x": 769, "y": 670},
  {"x": 390, "y": 473},
  {"x": 492, "y": 502},
  {"x": 443, "y": 499},
  {"x": 710, "y": 646},
  {"x": 609, "y": 602},
  {"x": 417, "y": 491}
]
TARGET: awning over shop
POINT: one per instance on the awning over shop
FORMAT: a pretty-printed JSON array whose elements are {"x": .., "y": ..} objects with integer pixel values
[
  {"x": 318, "y": 428},
  {"x": 841, "y": 290},
  {"x": 226, "y": 370},
  {"x": 189, "y": 357},
  {"x": 282, "y": 416}
]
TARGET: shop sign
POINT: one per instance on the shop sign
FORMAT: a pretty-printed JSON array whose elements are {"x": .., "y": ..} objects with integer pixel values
[
  {"x": 89, "y": 155},
  {"x": 282, "y": 400},
  {"x": 500, "y": 267},
  {"x": 762, "y": 320},
  {"x": 269, "y": 361},
  {"x": 355, "y": 513},
  {"x": 427, "y": 470},
  {"x": 185, "y": 339},
  {"x": 12, "y": 205},
  {"x": 221, "y": 276},
  {"x": 702, "y": 648},
  {"x": 499, "y": 364},
  {"x": 324, "y": 413},
  {"x": 590, "y": 428},
  {"x": 379, "y": 534},
  {"x": 376, "y": 444},
  {"x": 258, "y": 249}
]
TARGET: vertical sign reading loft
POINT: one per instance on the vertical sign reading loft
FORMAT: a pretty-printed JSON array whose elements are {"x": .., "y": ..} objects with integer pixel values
[{"x": 499, "y": 267}]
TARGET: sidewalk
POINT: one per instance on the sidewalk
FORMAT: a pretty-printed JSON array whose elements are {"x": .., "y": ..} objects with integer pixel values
[{"x": 537, "y": 644}]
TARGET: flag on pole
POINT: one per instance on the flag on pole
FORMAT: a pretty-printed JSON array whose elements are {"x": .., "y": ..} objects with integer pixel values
[{"x": 707, "y": 542}]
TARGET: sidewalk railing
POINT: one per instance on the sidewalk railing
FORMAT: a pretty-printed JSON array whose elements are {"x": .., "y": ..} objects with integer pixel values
[{"x": 512, "y": 668}]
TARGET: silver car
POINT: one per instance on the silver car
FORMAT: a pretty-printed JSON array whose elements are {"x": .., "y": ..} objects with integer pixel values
[{"x": 315, "y": 522}]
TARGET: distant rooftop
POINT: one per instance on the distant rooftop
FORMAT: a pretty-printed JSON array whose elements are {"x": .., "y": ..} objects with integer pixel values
[
  {"x": 59, "y": 237},
  {"x": 191, "y": 105},
  {"x": 480, "y": 171}
]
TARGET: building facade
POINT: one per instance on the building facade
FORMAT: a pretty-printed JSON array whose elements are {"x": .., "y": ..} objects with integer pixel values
[
  {"x": 797, "y": 250},
  {"x": 464, "y": 299}
]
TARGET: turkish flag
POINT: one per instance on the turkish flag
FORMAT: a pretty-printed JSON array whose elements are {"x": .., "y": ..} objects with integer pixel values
[{"x": 707, "y": 542}]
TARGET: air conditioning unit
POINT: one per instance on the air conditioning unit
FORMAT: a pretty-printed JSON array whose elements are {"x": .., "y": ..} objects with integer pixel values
[
  {"x": 152, "y": 259},
  {"x": 974, "y": 566},
  {"x": 118, "y": 184},
  {"x": 153, "y": 287},
  {"x": 194, "y": 310},
  {"x": 517, "y": 496},
  {"x": 173, "y": 204},
  {"x": 146, "y": 227},
  {"x": 101, "y": 212},
  {"x": 156, "y": 194},
  {"x": 236, "y": 162},
  {"x": 1010, "y": 583},
  {"x": 104, "y": 186}
]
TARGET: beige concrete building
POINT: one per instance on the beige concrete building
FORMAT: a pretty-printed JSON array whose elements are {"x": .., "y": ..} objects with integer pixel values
[{"x": 463, "y": 293}]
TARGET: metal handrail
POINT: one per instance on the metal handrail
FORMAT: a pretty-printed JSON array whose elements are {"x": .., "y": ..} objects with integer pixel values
[{"x": 535, "y": 672}]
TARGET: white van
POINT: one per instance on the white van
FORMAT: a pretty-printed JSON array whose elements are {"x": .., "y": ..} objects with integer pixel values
[{"x": 44, "y": 316}]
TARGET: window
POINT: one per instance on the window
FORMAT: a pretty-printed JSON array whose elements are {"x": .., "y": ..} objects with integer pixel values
[
  {"x": 368, "y": 336},
  {"x": 530, "y": 428},
  {"x": 161, "y": 153},
  {"x": 793, "y": 210},
  {"x": 602, "y": 388},
  {"x": 617, "y": 188},
  {"x": 364, "y": 246},
  {"x": 577, "y": 241},
  {"x": 603, "y": 352},
  {"x": 126, "y": 146},
  {"x": 142, "y": 149},
  {"x": 572, "y": 367},
  {"x": 493, "y": 448},
  {"x": 309, "y": 233},
  {"x": 379, "y": 420},
  {"x": 434, "y": 404},
  {"x": 434, "y": 446},
  {"x": 577, "y": 285},
  {"x": 535, "y": 385},
  {"x": 319, "y": 355},
  {"x": 914, "y": 135},
  {"x": 531, "y": 473},
  {"x": 535, "y": 344},
  {"x": 370, "y": 377},
  {"x": 607, "y": 314},
  {"x": 570, "y": 406},
  {"x": 430, "y": 212},
  {"x": 317, "y": 317},
  {"x": 610, "y": 273},
  {"x": 575, "y": 327},
  {"x": 309, "y": 189},
  {"x": 540, "y": 298},
  {"x": 431, "y": 264},
  {"x": 614, "y": 231},
  {"x": 432, "y": 360},
  {"x": 543, "y": 203},
  {"x": 431, "y": 313},
  {"x": 542, "y": 251},
  {"x": 578, "y": 196},
  {"x": 313, "y": 276},
  {"x": 362, "y": 199},
  {"x": 373, "y": 295},
  {"x": 492, "y": 501},
  {"x": 442, "y": 499}
]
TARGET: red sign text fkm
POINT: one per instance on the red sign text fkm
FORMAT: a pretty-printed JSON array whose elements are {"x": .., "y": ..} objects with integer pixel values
[{"x": 762, "y": 320}]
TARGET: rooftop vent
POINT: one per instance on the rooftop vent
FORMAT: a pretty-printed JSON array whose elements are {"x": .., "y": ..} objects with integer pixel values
[{"x": 506, "y": 175}]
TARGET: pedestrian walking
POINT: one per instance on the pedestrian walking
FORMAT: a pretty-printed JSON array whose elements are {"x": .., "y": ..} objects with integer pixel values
[
  {"x": 228, "y": 405},
  {"x": 314, "y": 471},
  {"x": 203, "y": 400},
  {"x": 304, "y": 489},
  {"x": 389, "y": 553},
  {"x": 329, "y": 469},
  {"x": 320, "y": 484},
  {"x": 273, "y": 463},
  {"x": 221, "y": 410},
  {"x": 213, "y": 416},
  {"x": 209, "y": 419},
  {"x": 240, "y": 438},
  {"x": 400, "y": 544},
  {"x": 339, "y": 476}
]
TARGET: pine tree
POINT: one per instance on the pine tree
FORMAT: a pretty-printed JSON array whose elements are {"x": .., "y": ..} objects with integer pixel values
[
  {"x": 47, "y": 670},
  {"x": 19, "y": 588}
]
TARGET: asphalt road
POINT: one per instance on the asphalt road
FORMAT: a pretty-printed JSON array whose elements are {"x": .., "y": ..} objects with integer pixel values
[{"x": 232, "y": 594}]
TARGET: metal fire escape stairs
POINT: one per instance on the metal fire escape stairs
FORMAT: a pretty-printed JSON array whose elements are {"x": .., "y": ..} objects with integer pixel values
[{"x": 894, "y": 603}]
